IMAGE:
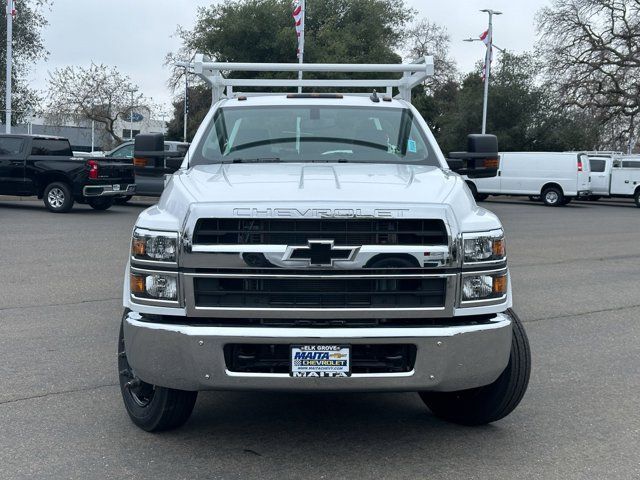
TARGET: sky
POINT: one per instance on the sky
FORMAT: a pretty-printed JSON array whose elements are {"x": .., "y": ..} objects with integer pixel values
[{"x": 135, "y": 35}]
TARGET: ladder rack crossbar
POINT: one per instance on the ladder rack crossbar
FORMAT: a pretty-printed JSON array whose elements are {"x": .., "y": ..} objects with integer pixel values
[{"x": 213, "y": 73}]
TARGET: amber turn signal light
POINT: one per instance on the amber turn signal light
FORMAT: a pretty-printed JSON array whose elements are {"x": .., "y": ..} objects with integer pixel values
[
  {"x": 500, "y": 285},
  {"x": 491, "y": 163},
  {"x": 137, "y": 283},
  {"x": 498, "y": 248},
  {"x": 138, "y": 247},
  {"x": 140, "y": 162}
]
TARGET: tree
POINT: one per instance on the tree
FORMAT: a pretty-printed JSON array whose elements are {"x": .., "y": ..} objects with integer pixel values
[
  {"x": 428, "y": 38},
  {"x": 592, "y": 53},
  {"x": 521, "y": 111},
  {"x": 99, "y": 93},
  {"x": 28, "y": 47},
  {"x": 345, "y": 31}
]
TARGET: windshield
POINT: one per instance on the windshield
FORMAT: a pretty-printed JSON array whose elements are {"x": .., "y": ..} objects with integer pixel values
[{"x": 314, "y": 134}]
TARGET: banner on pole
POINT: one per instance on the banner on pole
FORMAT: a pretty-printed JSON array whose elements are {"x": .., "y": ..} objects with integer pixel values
[{"x": 298, "y": 17}]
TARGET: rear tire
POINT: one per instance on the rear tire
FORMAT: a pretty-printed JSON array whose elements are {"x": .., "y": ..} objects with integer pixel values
[
  {"x": 636, "y": 198},
  {"x": 552, "y": 197},
  {"x": 57, "y": 197},
  {"x": 150, "y": 407},
  {"x": 100, "y": 203},
  {"x": 479, "y": 406}
]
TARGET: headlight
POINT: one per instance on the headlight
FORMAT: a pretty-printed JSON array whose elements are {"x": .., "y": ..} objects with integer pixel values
[
  {"x": 161, "y": 286},
  {"x": 154, "y": 246},
  {"x": 484, "y": 286},
  {"x": 483, "y": 246}
]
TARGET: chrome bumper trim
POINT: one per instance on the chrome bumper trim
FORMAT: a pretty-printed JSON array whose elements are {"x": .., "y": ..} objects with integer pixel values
[
  {"x": 107, "y": 190},
  {"x": 192, "y": 358}
]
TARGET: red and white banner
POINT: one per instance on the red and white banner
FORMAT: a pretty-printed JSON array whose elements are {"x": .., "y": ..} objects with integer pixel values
[
  {"x": 485, "y": 37},
  {"x": 11, "y": 8},
  {"x": 487, "y": 41},
  {"x": 298, "y": 17}
]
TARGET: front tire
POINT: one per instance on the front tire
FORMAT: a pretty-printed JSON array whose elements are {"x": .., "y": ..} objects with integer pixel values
[
  {"x": 150, "y": 407},
  {"x": 57, "y": 197},
  {"x": 478, "y": 197},
  {"x": 553, "y": 197},
  {"x": 100, "y": 203},
  {"x": 479, "y": 406}
]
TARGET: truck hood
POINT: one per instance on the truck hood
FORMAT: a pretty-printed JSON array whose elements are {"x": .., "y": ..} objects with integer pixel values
[
  {"x": 296, "y": 182},
  {"x": 302, "y": 189}
]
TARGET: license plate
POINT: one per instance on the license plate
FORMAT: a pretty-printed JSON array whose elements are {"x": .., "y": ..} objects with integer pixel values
[
  {"x": 320, "y": 361},
  {"x": 116, "y": 187}
]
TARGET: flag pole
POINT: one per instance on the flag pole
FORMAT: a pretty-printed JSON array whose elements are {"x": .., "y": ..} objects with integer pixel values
[
  {"x": 9, "y": 14},
  {"x": 487, "y": 67},
  {"x": 301, "y": 43}
]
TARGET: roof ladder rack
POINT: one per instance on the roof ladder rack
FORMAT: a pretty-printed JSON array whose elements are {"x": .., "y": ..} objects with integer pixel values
[{"x": 222, "y": 87}]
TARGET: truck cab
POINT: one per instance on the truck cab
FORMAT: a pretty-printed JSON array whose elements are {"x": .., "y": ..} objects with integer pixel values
[
  {"x": 615, "y": 175},
  {"x": 318, "y": 242}
]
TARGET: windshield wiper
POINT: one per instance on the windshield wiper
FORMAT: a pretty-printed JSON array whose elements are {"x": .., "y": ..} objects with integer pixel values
[
  {"x": 329, "y": 160},
  {"x": 254, "y": 160}
]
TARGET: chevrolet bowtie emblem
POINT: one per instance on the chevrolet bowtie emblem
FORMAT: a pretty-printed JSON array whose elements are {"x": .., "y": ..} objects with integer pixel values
[{"x": 320, "y": 253}]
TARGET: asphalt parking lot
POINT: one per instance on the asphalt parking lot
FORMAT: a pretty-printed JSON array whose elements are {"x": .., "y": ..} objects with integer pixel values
[{"x": 576, "y": 278}]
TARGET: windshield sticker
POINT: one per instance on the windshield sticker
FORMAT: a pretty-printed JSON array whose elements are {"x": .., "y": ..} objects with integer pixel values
[{"x": 411, "y": 146}]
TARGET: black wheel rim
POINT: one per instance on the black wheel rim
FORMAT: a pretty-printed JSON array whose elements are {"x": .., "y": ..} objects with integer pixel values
[{"x": 140, "y": 392}]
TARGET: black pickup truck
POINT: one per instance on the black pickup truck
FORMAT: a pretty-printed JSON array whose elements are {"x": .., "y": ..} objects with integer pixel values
[{"x": 45, "y": 166}]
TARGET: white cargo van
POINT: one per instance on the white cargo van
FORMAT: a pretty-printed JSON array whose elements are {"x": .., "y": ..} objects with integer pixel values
[
  {"x": 615, "y": 175},
  {"x": 557, "y": 177}
]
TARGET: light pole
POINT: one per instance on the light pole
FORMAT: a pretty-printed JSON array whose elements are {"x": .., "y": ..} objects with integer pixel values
[
  {"x": 9, "y": 12},
  {"x": 487, "y": 63},
  {"x": 132, "y": 91},
  {"x": 186, "y": 103}
]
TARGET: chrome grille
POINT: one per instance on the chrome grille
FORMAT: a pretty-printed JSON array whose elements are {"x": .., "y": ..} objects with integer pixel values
[
  {"x": 320, "y": 292},
  {"x": 348, "y": 231}
]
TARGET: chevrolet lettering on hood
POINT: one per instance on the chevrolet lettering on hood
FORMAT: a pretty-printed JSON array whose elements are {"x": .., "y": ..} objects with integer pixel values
[{"x": 320, "y": 212}]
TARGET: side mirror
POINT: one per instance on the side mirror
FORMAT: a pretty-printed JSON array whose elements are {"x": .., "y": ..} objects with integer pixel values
[
  {"x": 480, "y": 160},
  {"x": 148, "y": 149},
  {"x": 173, "y": 163}
]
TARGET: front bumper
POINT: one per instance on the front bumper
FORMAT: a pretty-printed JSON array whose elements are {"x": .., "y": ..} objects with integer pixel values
[
  {"x": 188, "y": 357},
  {"x": 107, "y": 190}
]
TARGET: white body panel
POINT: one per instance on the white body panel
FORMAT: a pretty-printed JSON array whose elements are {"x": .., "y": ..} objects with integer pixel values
[
  {"x": 620, "y": 178},
  {"x": 527, "y": 173}
]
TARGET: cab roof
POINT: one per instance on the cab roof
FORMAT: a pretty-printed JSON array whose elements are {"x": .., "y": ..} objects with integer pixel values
[{"x": 364, "y": 100}]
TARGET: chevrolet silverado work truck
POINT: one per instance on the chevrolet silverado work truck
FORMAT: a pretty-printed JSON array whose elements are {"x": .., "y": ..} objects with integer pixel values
[
  {"x": 319, "y": 242},
  {"x": 45, "y": 166}
]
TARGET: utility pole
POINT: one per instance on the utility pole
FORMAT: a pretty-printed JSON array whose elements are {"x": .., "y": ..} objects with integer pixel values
[
  {"x": 10, "y": 11},
  {"x": 488, "y": 41}
]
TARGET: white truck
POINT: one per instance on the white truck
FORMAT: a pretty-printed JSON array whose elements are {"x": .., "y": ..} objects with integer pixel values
[
  {"x": 554, "y": 177},
  {"x": 615, "y": 175},
  {"x": 319, "y": 242}
]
